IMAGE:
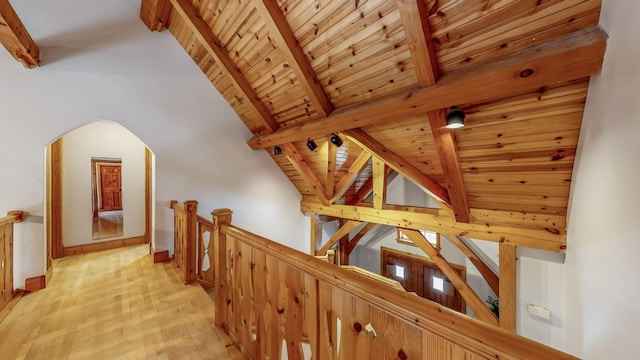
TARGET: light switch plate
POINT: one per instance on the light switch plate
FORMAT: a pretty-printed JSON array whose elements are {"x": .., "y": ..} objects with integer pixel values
[{"x": 539, "y": 311}]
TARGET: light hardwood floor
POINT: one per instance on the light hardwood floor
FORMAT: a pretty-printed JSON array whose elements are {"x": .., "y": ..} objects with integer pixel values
[{"x": 114, "y": 304}]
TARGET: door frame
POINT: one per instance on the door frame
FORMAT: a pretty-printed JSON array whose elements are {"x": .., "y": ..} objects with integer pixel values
[{"x": 96, "y": 183}]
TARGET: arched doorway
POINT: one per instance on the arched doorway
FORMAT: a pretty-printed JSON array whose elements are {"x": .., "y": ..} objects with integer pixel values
[{"x": 70, "y": 189}]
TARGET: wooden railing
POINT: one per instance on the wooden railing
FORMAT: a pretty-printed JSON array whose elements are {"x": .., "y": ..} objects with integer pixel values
[
  {"x": 6, "y": 254},
  {"x": 193, "y": 245},
  {"x": 270, "y": 297}
]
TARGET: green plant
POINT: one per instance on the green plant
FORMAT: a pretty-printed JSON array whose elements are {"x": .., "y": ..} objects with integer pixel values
[{"x": 494, "y": 305}]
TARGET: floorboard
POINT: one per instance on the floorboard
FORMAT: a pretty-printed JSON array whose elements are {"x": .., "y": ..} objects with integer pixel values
[{"x": 114, "y": 304}]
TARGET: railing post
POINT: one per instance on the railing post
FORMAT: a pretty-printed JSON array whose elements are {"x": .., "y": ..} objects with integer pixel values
[
  {"x": 191, "y": 240},
  {"x": 221, "y": 217}
]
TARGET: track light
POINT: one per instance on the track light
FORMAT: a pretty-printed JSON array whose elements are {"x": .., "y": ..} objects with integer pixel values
[
  {"x": 335, "y": 140},
  {"x": 455, "y": 118},
  {"x": 277, "y": 150},
  {"x": 311, "y": 144}
]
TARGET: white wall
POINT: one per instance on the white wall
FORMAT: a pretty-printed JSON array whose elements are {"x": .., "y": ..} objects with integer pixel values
[
  {"x": 105, "y": 140},
  {"x": 101, "y": 62},
  {"x": 594, "y": 294}
]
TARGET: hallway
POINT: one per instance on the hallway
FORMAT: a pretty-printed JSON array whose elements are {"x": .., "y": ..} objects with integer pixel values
[{"x": 114, "y": 304}]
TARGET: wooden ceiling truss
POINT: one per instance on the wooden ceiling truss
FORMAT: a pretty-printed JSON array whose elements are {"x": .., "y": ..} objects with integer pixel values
[{"x": 381, "y": 75}]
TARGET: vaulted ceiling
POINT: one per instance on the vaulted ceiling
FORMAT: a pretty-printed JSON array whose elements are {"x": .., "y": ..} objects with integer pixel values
[{"x": 381, "y": 75}]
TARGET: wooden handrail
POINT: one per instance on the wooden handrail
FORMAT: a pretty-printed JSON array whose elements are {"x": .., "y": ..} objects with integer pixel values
[{"x": 437, "y": 322}]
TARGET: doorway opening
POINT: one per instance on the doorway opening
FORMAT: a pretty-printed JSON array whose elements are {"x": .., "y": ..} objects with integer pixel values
[
  {"x": 109, "y": 206},
  {"x": 106, "y": 197}
]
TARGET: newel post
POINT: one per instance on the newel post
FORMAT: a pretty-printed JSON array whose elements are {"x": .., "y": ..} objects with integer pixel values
[
  {"x": 221, "y": 217},
  {"x": 191, "y": 240}
]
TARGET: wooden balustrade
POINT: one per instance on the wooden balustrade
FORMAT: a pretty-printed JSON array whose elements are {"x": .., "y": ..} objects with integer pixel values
[
  {"x": 6, "y": 254},
  {"x": 270, "y": 297},
  {"x": 193, "y": 243}
]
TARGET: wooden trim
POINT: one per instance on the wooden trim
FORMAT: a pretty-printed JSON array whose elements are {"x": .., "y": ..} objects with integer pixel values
[
  {"x": 398, "y": 164},
  {"x": 35, "y": 283},
  {"x": 104, "y": 245},
  {"x": 533, "y": 238},
  {"x": 491, "y": 278},
  {"x": 55, "y": 209},
  {"x": 15, "y": 37},
  {"x": 148, "y": 171},
  {"x": 216, "y": 49},
  {"x": 293, "y": 54},
  {"x": 476, "y": 304},
  {"x": 570, "y": 57},
  {"x": 155, "y": 14},
  {"x": 508, "y": 287},
  {"x": 161, "y": 256},
  {"x": 451, "y": 166},
  {"x": 416, "y": 26}
]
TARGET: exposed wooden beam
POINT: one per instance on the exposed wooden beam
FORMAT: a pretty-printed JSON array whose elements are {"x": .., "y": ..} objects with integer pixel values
[
  {"x": 356, "y": 238},
  {"x": 219, "y": 53},
  {"x": 300, "y": 164},
  {"x": 414, "y": 20},
  {"x": 560, "y": 60},
  {"x": 344, "y": 244},
  {"x": 15, "y": 37},
  {"x": 451, "y": 167},
  {"x": 352, "y": 174},
  {"x": 155, "y": 14},
  {"x": 491, "y": 278},
  {"x": 289, "y": 47},
  {"x": 424, "y": 220},
  {"x": 379, "y": 177},
  {"x": 398, "y": 164},
  {"x": 476, "y": 304},
  {"x": 344, "y": 230},
  {"x": 332, "y": 152},
  {"x": 507, "y": 287},
  {"x": 316, "y": 233},
  {"x": 367, "y": 188},
  {"x": 537, "y": 221}
]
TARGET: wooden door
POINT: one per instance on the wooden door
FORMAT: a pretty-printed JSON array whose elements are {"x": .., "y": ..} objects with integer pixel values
[
  {"x": 423, "y": 277},
  {"x": 400, "y": 267},
  {"x": 110, "y": 187},
  {"x": 435, "y": 286}
]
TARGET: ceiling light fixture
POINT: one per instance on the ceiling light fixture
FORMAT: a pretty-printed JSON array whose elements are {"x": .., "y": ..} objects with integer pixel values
[
  {"x": 335, "y": 140},
  {"x": 311, "y": 144},
  {"x": 277, "y": 150},
  {"x": 455, "y": 118}
]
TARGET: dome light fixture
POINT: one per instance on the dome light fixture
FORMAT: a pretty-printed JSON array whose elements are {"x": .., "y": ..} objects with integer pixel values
[{"x": 455, "y": 118}]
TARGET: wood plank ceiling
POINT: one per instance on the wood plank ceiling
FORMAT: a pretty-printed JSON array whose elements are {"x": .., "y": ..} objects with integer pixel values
[{"x": 381, "y": 74}]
